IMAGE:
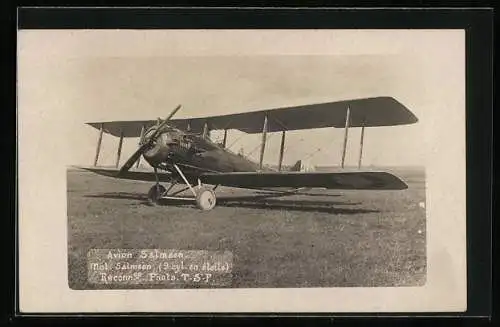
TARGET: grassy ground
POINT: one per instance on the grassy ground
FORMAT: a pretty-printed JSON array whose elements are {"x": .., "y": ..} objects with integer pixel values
[{"x": 323, "y": 239}]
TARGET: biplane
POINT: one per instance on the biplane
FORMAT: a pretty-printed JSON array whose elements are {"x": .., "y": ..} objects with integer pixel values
[{"x": 180, "y": 151}]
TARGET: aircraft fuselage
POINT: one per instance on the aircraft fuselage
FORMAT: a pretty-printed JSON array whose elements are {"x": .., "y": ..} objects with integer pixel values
[{"x": 194, "y": 153}]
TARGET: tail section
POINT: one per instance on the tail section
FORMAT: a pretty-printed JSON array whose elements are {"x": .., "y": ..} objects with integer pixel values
[
  {"x": 296, "y": 166},
  {"x": 302, "y": 166}
]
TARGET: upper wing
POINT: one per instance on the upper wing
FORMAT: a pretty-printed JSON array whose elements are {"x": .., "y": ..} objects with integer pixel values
[
  {"x": 356, "y": 180},
  {"x": 368, "y": 112}
]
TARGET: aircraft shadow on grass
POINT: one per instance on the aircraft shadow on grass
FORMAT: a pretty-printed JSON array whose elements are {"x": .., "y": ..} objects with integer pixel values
[
  {"x": 268, "y": 202},
  {"x": 303, "y": 193}
]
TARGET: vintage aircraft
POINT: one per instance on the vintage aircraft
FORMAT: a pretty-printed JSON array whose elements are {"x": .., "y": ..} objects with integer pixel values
[{"x": 181, "y": 152}]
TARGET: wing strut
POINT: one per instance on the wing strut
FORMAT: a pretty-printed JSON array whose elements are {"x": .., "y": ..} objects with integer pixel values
[
  {"x": 141, "y": 139},
  {"x": 205, "y": 130},
  {"x": 98, "y": 148},
  {"x": 346, "y": 134},
  {"x": 263, "y": 143},
  {"x": 119, "y": 151},
  {"x": 282, "y": 148},
  {"x": 361, "y": 145},
  {"x": 224, "y": 140}
]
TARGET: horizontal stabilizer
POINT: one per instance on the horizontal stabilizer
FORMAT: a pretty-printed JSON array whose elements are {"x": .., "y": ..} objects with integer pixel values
[{"x": 296, "y": 166}]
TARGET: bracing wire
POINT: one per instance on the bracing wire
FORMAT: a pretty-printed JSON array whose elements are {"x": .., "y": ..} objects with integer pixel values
[
  {"x": 258, "y": 146},
  {"x": 234, "y": 142},
  {"x": 106, "y": 156},
  {"x": 312, "y": 154},
  {"x": 286, "y": 148}
]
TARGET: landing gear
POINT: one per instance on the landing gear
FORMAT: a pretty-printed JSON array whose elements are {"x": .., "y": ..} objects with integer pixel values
[
  {"x": 205, "y": 198},
  {"x": 155, "y": 193}
]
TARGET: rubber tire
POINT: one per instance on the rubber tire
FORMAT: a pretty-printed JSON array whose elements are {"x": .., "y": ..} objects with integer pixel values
[
  {"x": 203, "y": 203},
  {"x": 155, "y": 193}
]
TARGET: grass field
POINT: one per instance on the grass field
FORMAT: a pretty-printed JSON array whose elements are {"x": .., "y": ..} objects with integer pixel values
[{"x": 322, "y": 239}]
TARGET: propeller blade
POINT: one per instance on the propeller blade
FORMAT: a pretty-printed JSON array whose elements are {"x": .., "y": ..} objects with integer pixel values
[
  {"x": 137, "y": 154},
  {"x": 133, "y": 158},
  {"x": 163, "y": 123}
]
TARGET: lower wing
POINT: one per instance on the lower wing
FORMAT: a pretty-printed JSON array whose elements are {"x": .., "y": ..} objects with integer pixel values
[
  {"x": 357, "y": 180},
  {"x": 136, "y": 175}
]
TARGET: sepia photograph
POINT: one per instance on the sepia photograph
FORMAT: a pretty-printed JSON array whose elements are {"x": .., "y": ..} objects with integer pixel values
[
  {"x": 312, "y": 206},
  {"x": 193, "y": 163}
]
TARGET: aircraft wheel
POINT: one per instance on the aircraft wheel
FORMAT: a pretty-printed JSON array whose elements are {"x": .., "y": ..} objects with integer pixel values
[
  {"x": 155, "y": 193},
  {"x": 205, "y": 199}
]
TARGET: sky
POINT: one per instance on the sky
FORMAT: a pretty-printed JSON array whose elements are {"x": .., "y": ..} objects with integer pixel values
[{"x": 67, "y": 78}]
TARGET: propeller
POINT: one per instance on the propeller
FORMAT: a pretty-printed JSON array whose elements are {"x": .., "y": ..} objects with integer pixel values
[{"x": 137, "y": 154}]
